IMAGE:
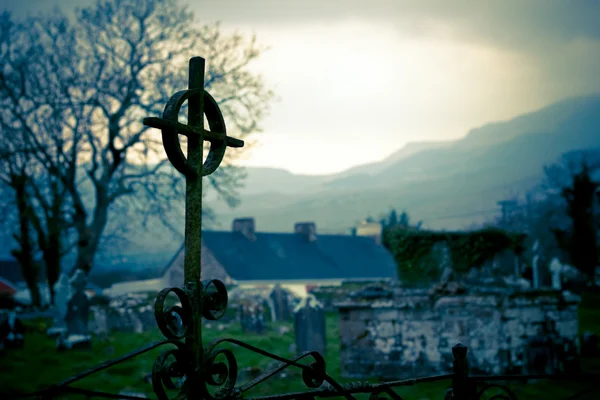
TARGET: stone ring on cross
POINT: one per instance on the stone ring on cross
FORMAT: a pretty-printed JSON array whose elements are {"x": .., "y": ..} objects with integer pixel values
[{"x": 171, "y": 129}]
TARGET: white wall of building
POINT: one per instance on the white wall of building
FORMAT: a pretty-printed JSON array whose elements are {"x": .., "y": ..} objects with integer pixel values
[
  {"x": 298, "y": 288},
  {"x": 122, "y": 288}
]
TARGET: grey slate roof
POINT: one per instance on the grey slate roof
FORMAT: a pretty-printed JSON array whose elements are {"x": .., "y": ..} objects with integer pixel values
[
  {"x": 288, "y": 256},
  {"x": 274, "y": 257},
  {"x": 132, "y": 267},
  {"x": 10, "y": 270}
]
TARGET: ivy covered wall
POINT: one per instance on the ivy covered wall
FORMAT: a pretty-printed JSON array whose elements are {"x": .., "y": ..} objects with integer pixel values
[{"x": 417, "y": 252}]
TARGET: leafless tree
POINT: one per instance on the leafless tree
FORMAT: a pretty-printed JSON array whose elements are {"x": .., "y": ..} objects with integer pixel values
[
  {"x": 575, "y": 184},
  {"x": 119, "y": 62},
  {"x": 32, "y": 108},
  {"x": 14, "y": 176}
]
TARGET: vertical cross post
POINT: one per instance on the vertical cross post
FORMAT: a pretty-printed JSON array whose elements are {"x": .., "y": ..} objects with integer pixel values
[
  {"x": 193, "y": 190},
  {"x": 193, "y": 205}
]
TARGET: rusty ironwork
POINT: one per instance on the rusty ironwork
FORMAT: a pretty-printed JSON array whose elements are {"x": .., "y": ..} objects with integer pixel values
[
  {"x": 194, "y": 369},
  {"x": 462, "y": 385}
]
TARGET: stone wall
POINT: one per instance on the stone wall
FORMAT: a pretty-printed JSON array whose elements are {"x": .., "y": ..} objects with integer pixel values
[
  {"x": 329, "y": 295},
  {"x": 413, "y": 333},
  {"x": 129, "y": 313}
]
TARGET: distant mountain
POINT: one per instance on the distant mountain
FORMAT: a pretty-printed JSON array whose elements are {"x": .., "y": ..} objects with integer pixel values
[
  {"x": 448, "y": 185},
  {"x": 443, "y": 183},
  {"x": 260, "y": 180},
  {"x": 373, "y": 168}
]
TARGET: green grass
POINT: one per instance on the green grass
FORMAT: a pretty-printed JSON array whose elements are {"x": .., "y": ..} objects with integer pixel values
[
  {"x": 589, "y": 320},
  {"x": 39, "y": 365}
]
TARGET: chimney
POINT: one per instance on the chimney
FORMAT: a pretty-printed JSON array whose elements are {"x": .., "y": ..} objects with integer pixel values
[
  {"x": 245, "y": 226},
  {"x": 306, "y": 229},
  {"x": 374, "y": 230}
]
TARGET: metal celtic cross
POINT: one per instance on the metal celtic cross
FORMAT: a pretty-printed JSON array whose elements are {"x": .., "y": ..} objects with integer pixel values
[
  {"x": 185, "y": 321},
  {"x": 200, "y": 103}
]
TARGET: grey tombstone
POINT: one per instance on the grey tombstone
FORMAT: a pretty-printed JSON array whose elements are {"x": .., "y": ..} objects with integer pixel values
[
  {"x": 252, "y": 318},
  {"x": 535, "y": 264},
  {"x": 309, "y": 326},
  {"x": 556, "y": 270},
  {"x": 62, "y": 293},
  {"x": 280, "y": 300},
  {"x": 12, "y": 332},
  {"x": 77, "y": 316},
  {"x": 100, "y": 320},
  {"x": 589, "y": 344}
]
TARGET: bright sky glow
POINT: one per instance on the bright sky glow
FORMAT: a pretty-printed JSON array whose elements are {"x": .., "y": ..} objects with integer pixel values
[{"x": 358, "y": 80}]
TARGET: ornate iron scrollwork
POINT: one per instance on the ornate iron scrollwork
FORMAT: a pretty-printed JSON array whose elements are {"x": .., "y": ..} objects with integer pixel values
[{"x": 215, "y": 300}]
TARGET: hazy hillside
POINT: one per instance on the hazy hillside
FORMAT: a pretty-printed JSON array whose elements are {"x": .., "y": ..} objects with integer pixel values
[
  {"x": 373, "y": 168},
  {"x": 448, "y": 185},
  {"x": 438, "y": 181}
]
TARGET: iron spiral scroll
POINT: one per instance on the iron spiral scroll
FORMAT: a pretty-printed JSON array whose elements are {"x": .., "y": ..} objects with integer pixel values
[{"x": 175, "y": 369}]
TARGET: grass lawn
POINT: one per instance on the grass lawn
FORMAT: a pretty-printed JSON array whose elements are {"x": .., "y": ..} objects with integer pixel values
[{"x": 39, "y": 365}]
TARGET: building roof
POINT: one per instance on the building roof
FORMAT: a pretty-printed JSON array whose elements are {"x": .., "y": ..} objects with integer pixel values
[
  {"x": 7, "y": 287},
  {"x": 10, "y": 270},
  {"x": 276, "y": 257},
  {"x": 289, "y": 256},
  {"x": 134, "y": 267}
]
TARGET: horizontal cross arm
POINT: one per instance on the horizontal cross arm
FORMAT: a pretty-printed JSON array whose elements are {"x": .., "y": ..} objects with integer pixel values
[{"x": 187, "y": 130}]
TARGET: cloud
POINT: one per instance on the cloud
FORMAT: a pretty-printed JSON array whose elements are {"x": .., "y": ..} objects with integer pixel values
[
  {"x": 508, "y": 22},
  {"x": 425, "y": 69},
  {"x": 561, "y": 38},
  {"x": 531, "y": 25}
]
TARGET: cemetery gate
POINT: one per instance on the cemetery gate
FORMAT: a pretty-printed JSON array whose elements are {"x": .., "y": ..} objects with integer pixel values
[{"x": 198, "y": 370}]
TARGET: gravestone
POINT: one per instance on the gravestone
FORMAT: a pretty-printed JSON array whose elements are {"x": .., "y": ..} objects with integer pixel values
[
  {"x": 77, "y": 316},
  {"x": 281, "y": 304},
  {"x": 12, "y": 332},
  {"x": 62, "y": 293},
  {"x": 548, "y": 353},
  {"x": 127, "y": 313},
  {"x": 100, "y": 320},
  {"x": 252, "y": 318},
  {"x": 556, "y": 270},
  {"x": 309, "y": 326},
  {"x": 589, "y": 344},
  {"x": 535, "y": 264}
]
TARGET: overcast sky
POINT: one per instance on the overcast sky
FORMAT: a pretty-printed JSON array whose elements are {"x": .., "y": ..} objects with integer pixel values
[{"x": 381, "y": 73}]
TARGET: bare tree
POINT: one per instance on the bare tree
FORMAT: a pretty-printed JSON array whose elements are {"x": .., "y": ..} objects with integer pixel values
[
  {"x": 39, "y": 196},
  {"x": 571, "y": 184},
  {"x": 14, "y": 176},
  {"x": 119, "y": 62}
]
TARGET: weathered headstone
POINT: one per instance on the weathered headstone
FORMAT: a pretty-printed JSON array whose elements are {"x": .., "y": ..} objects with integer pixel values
[
  {"x": 12, "y": 332},
  {"x": 309, "y": 326},
  {"x": 77, "y": 316},
  {"x": 281, "y": 304},
  {"x": 252, "y": 318},
  {"x": 589, "y": 344},
  {"x": 556, "y": 271},
  {"x": 127, "y": 313},
  {"x": 100, "y": 320},
  {"x": 62, "y": 293},
  {"x": 535, "y": 264}
]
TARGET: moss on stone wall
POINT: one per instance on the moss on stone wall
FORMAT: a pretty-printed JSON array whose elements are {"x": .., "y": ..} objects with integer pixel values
[{"x": 467, "y": 249}]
